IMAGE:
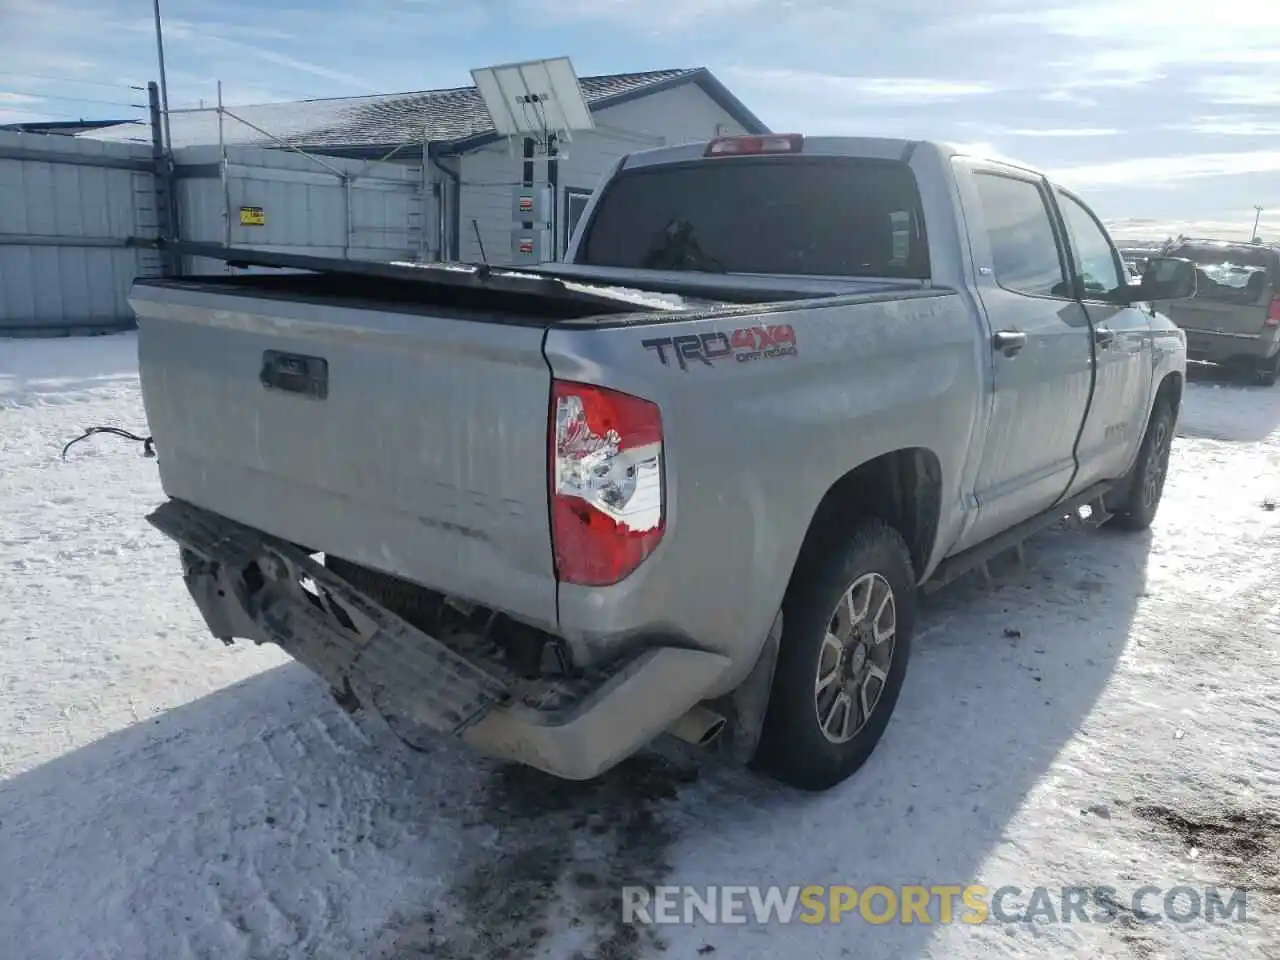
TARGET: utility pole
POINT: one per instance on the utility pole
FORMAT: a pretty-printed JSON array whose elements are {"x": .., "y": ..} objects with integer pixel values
[
  {"x": 1256, "y": 217},
  {"x": 164, "y": 86}
]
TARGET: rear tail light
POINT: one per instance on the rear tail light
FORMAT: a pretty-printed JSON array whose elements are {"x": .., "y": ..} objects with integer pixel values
[
  {"x": 1273, "y": 313},
  {"x": 748, "y": 146},
  {"x": 608, "y": 510}
]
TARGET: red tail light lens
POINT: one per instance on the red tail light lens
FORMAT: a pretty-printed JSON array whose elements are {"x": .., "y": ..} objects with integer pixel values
[
  {"x": 1273, "y": 313},
  {"x": 608, "y": 510},
  {"x": 754, "y": 145}
]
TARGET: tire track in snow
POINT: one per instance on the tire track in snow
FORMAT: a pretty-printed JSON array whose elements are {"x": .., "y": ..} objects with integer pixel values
[{"x": 554, "y": 871}]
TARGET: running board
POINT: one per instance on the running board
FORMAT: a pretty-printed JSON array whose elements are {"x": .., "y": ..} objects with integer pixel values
[{"x": 977, "y": 556}]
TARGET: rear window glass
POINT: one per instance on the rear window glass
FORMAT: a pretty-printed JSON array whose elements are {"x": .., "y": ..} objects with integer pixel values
[
  {"x": 811, "y": 216},
  {"x": 1229, "y": 274}
]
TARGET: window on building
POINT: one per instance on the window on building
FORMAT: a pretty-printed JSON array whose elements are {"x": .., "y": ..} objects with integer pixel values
[{"x": 1024, "y": 249}]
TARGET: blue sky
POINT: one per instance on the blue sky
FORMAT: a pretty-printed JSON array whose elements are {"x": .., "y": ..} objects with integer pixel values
[{"x": 1166, "y": 115}]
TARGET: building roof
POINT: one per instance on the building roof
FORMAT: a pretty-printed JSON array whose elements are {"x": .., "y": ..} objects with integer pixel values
[
  {"x": 67, "y": 127},
  {"x": 372, "y": 124}
]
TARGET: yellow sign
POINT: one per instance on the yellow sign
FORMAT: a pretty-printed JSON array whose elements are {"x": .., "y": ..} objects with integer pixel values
[{"x": 253, "y": 217}]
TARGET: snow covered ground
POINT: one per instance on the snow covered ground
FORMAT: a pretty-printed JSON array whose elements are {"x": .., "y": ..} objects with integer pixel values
[{"x": 1107, "y": 715}]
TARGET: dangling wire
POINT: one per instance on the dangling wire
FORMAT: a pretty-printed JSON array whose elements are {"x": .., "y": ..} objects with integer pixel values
[{"x": 148, "y": 444}]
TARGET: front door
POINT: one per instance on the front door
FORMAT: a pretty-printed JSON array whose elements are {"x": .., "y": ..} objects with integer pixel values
[
  {"x": 1040, "y": 347},
  {"x": 1122, "y": 343}
]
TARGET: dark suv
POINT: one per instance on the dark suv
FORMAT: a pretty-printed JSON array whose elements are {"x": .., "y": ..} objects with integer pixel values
[{"x": 1234, "y": 318}]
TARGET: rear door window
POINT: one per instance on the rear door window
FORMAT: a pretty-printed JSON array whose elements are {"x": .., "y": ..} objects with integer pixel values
[
  {"x": 810, "y": 216},
  {"x": 1024, "y": 248}
]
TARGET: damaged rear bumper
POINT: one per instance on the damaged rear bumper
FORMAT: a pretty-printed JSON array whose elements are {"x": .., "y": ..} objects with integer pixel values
[{"x": 251, "y": 586}]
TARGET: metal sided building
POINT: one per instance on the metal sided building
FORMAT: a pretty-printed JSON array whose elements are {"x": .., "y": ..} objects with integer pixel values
[{"x": 450, "y": 193}]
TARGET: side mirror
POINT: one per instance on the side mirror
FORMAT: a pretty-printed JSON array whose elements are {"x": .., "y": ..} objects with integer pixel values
[{"x": 1167, "y": 278}]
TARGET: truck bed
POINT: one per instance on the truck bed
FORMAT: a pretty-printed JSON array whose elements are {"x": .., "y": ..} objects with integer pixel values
[{"x": 393, "y": 415}]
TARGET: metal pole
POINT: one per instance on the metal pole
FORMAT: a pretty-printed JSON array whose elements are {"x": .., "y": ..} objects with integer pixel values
[
  {"x": 425, "y": 199},
  {"x": 526, "y": 181},
  {"x": 163, "y": 184},
  {"x": 553, "y": 185},
  {"x": 226, "y": 184},
  {"x": 1256, "y": 217},
  {"x": 349, "y": 224},
  {"x": 164, "y": 86}
]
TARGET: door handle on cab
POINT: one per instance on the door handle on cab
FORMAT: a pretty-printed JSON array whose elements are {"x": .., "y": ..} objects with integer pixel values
[
  {"x": 1103, "y": 337},
  {"x": 1008, "y": 342}
]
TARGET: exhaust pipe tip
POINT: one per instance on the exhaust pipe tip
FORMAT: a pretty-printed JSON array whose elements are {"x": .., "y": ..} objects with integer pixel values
[
  {"x": 713, "y": 732},
  {"x": 700, "y": 726}
]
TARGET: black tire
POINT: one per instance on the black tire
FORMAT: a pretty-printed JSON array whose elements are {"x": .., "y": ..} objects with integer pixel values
[
  {"x": 793, "y": 747},
  {"x": 1145, "y": 484}
]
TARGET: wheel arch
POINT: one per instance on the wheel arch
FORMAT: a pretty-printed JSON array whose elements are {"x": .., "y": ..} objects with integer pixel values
[
  {"x": 901, "y": 487},
  {"x": 1170, "y": 388}
]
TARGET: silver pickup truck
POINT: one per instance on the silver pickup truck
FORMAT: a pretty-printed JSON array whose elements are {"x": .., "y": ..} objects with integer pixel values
[{"x": 689, "y": 481}]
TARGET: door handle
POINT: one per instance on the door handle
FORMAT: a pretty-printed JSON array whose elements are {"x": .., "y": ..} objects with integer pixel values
[
  {"x": 1103, "y": 337},
  {"x": 1008, "y": 342},
  {"x": 295, "y": 373}
]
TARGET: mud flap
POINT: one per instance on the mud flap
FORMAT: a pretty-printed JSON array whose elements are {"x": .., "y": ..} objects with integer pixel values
[{"x": 247, "y": 584}]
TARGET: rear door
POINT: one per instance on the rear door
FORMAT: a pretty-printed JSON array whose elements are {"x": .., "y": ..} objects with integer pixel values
[
  {"x": 1235, "y": 285},
  {"x": 1040, "y": 348},
  {"x": 1122, "y": 347}
]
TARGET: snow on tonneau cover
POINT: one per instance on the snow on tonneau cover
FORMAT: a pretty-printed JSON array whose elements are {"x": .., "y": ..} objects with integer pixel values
[{"x": 407, "y": 438}]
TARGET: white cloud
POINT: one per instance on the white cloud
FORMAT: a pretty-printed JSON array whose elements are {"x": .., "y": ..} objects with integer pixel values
[
  {"x": 837, "y": 88},
  {"x": 647, "y": 15},
  {"x": 1138, "y": 35},
  {"x": 305, "y": 66},
  {"x": 1241, "y": 89},
  {"x": 1230, "y": 127},
  {"x": 229, "y": 35},
  {"x": 8, "y": 96},
  {"x": 1169, "y": 170},
  {"x": 1059, "y": 132},
  {"x": 1134, "y": 44},
  {"x": 1068, "y": 95},
  {"x": 913, "y": 89},
  {"x": 1232, "y": 225},
  {"x": 22, "y": 116}
]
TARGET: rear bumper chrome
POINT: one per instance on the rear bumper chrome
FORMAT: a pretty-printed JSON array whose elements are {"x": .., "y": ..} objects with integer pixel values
[{"x": 249, "y": 585}]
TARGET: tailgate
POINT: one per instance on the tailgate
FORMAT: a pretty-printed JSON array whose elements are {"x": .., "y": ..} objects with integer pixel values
[
  {"x": 1231, "y": 298},
  {"x": 1218, "y": 316},
  {"x": 414, "y": 444}
]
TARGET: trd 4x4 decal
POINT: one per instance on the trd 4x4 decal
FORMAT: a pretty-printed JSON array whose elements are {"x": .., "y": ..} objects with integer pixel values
[{"x": 744, "y": 345}]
